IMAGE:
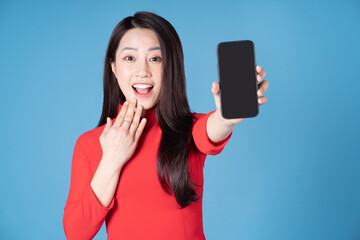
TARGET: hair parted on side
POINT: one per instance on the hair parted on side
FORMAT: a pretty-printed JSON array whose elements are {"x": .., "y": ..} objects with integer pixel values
[{"x": 172, "y": 110}]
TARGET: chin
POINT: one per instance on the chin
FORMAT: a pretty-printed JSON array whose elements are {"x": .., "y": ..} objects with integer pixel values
[{"x": 147, "y": 106}]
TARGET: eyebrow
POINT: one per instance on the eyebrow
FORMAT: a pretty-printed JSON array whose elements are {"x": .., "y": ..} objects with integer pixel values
[{"x": 135, "y": 49}]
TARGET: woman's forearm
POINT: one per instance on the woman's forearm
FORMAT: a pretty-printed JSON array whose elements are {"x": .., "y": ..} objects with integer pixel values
[
  {"x": 104, "y": 182},
  {"x": 218, "y": 129}
]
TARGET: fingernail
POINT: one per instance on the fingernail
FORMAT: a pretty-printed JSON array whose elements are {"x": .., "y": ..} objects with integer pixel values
[
  {"x": 133, "y": 100},
  {"x": 126, "y": 103},
  {"x": 139, "y": 107},
  {"x": 259, "y": 92}
]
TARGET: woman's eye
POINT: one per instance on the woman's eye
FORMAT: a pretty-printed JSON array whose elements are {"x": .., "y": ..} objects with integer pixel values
[
  {"x": 157, "y": 59},
  {"x": 129, "y": 58}
]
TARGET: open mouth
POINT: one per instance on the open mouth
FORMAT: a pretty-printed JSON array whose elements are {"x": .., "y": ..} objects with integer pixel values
[{"x": 142, "y": 89}]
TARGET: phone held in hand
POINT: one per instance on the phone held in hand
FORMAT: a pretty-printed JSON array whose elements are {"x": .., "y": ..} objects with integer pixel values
[{"x": 237, "y": 78}]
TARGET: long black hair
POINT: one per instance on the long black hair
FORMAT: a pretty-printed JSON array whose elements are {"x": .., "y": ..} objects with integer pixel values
[{"x": 172, "y": 110}]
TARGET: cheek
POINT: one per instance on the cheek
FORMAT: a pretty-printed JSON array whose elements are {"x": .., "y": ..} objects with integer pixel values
[
  {"x": 123, "y": 84},
  {"x": 123, "y": 72},
  {"x": 159, "y": 77},
  {"x": 123, "y": 75},
  {"x": 123, "y": 69}
]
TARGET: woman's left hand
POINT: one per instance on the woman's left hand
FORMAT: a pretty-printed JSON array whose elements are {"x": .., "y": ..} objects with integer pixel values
[{"x": 262, "y": 86}]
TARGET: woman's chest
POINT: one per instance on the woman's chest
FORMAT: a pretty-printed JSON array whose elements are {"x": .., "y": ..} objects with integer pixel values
[{"x": 138, "y": 177}]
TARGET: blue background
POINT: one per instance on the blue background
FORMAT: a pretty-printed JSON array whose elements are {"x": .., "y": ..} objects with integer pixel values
[{"x": 293, "y": 172}]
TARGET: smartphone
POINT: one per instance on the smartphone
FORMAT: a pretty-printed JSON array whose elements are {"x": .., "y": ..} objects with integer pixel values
[{"x": 237, "y": 78}]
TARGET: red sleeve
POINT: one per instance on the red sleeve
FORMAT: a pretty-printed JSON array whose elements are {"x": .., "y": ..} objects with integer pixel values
[
  {"x": 201, "y": 139},
  {"x": 83, "y": 214}
]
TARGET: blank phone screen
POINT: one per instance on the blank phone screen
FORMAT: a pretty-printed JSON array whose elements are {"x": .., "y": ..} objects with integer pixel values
[{"x": 237, "y": 75}]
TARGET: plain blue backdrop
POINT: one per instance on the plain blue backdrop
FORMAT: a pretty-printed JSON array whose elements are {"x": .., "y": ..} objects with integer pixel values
[{"x": 293, "y": 172}]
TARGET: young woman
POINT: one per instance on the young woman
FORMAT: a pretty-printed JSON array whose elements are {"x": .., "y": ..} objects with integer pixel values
[{"x": 141, "y": 169}]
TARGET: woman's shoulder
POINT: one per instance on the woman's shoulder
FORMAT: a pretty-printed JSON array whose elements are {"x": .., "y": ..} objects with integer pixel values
[
  {"x": 91, "y": 136},
  {"x": 197, "y": 116},
  {"x": 88, "y": 147}
]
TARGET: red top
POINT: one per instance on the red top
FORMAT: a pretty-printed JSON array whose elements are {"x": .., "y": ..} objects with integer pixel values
[{"x": 140, "y": 208}]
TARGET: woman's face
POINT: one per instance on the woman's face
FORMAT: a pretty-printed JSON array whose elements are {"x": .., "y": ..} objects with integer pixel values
[{"x": 138, "y": 66}]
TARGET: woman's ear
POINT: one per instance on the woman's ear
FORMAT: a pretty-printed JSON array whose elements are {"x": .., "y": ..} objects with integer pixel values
[{"x": 112, "y": 64}]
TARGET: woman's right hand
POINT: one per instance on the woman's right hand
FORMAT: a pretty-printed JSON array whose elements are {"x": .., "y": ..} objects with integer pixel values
[{"x": 119, "y": 141}]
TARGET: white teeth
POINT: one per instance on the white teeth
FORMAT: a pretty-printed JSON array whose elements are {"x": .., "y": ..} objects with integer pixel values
[{"x": 142, "y": 86}]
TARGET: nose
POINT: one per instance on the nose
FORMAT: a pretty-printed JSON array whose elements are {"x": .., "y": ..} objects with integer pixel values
[{"x": 143, "y": 69}]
